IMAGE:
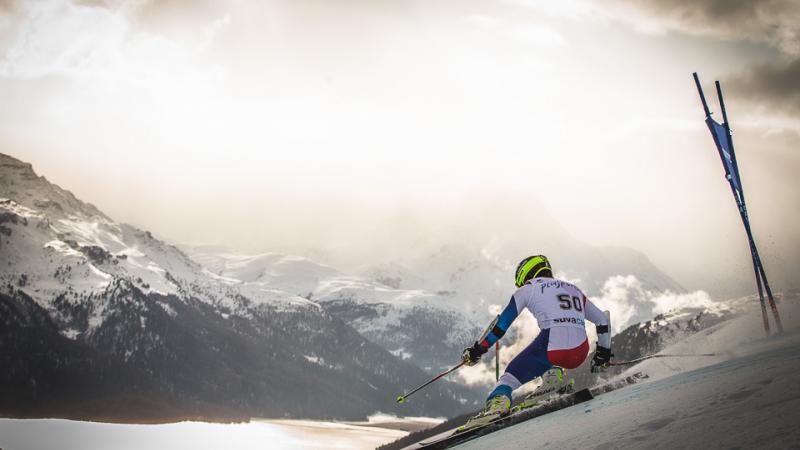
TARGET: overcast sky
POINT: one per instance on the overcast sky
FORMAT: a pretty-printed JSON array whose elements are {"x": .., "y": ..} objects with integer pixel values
[{"x": 269, "y": 124}]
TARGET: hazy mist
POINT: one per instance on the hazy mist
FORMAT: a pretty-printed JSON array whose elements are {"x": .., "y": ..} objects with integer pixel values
[{"x": 365, "y": 129}]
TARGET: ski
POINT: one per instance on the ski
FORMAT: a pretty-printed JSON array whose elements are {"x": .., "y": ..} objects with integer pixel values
[
  {"x": 618, "y": 384},
  {"x": 657, "y": 355},
  {"x": 543, "y": 393},
  {"x": 547, "y": 406},
  {"x": 520, "y": 413}
]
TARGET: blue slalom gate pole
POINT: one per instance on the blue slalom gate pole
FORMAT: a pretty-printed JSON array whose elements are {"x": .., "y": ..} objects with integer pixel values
[
  {"x": 761, "y": 275},
  {"x": 721, "y": 134}
]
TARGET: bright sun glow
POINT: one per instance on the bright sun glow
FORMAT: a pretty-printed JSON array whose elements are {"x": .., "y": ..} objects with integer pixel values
[{"x": 284, "y": 112}]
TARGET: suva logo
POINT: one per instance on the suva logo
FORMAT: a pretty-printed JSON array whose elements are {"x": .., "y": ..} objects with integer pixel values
[{"x": 574, "y": 320}]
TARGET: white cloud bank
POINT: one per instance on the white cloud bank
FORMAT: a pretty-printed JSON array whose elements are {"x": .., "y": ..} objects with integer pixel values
[{"x": 630, "y": 302}]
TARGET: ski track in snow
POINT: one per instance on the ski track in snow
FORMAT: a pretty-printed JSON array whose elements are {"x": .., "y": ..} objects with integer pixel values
[{"x": 749, "y": 401}]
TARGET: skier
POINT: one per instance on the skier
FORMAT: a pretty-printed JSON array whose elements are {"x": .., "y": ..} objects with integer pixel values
[{"x": 560, "y": 309}]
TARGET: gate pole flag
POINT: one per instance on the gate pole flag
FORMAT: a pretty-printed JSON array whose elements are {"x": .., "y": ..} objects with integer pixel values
[{"x": 721, "y": 133}]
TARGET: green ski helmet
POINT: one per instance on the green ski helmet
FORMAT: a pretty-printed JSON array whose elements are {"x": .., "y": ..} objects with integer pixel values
[{"x": 532, "y": 267}]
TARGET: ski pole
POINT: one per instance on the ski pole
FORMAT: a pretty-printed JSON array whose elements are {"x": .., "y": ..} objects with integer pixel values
[
  {"x": 658, "y": 355},
  {"x": 402, "y": 398},
  {"x": 497, "y": 360}
]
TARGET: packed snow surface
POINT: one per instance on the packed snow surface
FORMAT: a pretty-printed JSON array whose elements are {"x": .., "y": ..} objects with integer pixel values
[{"x": 749, "y": 397}]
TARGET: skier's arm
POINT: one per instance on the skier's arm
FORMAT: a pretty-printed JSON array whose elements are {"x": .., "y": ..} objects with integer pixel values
[
  {"x": 594, "y": 315},
  {"x": 493, "y": 333},
  {"x": 500, "y": 326}
]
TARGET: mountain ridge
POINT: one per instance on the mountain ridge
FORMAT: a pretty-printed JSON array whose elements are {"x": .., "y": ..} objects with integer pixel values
[{"x": 146, "y": 333}]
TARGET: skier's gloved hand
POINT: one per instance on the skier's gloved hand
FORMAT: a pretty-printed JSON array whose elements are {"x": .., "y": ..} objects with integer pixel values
[
  {"x": 472, "y": 355},
  {"x": 601, "y": 358}
]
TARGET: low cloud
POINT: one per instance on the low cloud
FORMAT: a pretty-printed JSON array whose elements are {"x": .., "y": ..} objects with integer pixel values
[{"x": 630, "y": 302}]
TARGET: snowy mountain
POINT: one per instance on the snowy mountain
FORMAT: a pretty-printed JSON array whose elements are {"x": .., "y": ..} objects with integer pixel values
[
  {"x": 423, "y": 327},
  {"x": 102, "y": 320},
  {"x": 433, "y": 295},
  {"x": 469, "y": 251}
]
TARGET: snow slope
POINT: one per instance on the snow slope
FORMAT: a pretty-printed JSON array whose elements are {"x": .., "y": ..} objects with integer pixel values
[{"x": 747, "y": 398}]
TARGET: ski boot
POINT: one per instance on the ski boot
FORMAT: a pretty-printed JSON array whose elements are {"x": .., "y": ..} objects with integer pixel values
[
  {"x": 496, "y": 407},
  {"x": 554, "y": 383}
]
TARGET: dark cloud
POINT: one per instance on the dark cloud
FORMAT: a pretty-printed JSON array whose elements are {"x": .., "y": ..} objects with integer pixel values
[
  {"x": 772, "y": 21},
  {"x": 774, "y": 86}
]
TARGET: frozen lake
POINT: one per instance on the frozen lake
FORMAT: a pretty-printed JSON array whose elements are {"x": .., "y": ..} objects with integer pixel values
[{"x": 45, "y": 434}]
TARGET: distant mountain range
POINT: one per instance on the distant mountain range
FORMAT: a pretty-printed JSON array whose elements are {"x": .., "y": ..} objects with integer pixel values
[
  {"x": 101, "y": 320},
  {"x": 417, "y": 325}
]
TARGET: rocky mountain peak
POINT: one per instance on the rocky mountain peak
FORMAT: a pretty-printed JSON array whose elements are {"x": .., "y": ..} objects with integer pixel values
[{"x": 19, "y": 182}]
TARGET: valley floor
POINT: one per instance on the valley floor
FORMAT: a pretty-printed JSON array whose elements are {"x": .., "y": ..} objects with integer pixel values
[{"x": 45, "y": 434}]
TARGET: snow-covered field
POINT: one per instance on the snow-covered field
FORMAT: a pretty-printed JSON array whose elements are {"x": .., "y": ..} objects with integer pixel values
[
  {"x": 747, "y": 398},
  {"x": 46, "y": 434}
]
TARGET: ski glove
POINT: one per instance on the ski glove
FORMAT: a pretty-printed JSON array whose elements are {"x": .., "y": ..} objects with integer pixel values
[
  {"x": 601, "y": 357},
  {"x": 472, "y": 355}
]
